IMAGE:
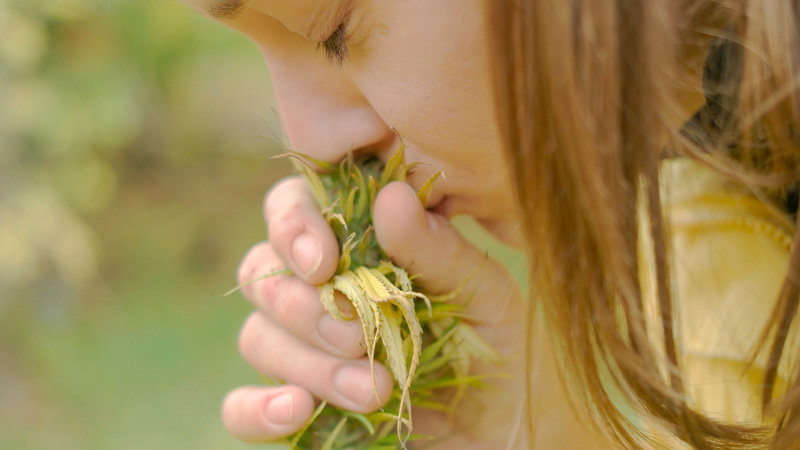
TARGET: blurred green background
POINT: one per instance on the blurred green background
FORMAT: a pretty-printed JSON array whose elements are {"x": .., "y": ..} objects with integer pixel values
[
  {"x": 135, "y": 139},
  {"x": 134, "y": 145}
]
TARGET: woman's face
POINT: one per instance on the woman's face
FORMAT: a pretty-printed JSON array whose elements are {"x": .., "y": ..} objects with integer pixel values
[{"x": 420, "y": 67}]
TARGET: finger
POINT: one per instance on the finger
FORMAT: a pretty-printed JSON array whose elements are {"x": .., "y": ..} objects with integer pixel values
[
  {"x": 347, "y": 383},
  {"x": 426, "y": 244},
  {"x": 298, "y": 232},
  {"x": 266, "y": 413},
  {"x": 295, "y": 305}
]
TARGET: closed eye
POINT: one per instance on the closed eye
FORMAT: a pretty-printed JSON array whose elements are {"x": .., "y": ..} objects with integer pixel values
[{"x": 335, "y": 47}]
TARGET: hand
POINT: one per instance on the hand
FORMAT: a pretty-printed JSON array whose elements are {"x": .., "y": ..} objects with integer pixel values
[{"x": 292, "y": 338}]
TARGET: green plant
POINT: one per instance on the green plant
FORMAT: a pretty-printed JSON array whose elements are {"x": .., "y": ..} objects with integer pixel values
[{"x": 425, "y": 342}]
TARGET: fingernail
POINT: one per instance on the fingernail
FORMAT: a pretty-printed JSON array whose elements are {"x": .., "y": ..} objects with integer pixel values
[
  {"x": 355, "y": 384},
  {"x": 307, "y": 253},
  {"x": 280, "y": 410},
  {"x": 343, "y": 337}
]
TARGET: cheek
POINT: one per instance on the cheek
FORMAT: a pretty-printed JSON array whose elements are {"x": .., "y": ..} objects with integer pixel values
[
  {"x": 448, "y": 120},
  {"x": 434, "y": 89}
]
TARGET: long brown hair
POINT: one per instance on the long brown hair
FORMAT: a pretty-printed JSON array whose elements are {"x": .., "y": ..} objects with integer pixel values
[{"x": 589, "y": 94}]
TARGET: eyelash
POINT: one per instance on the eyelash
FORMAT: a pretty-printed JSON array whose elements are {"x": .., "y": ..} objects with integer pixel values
[{"x": 335, "y": 47}]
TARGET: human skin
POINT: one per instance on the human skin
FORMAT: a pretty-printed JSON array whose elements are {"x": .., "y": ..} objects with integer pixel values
[{"x": 418, "y": 69}]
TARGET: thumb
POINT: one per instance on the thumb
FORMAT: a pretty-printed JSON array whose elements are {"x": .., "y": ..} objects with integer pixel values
[
  {"x": 424, "y": 243},
  {"x": 427, "y": 244}
]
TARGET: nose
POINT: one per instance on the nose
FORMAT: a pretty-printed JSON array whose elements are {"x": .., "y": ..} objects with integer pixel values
[{"x": 323, "y": 112}]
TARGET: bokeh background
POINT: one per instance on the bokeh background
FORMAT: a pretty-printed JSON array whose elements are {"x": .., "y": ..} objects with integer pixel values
[{"x": 135, "y": 139}]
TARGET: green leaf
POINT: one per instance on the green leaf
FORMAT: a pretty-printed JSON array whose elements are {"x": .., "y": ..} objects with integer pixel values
[
  {"x": 362, "y": 419},
  {"x": 363, "y": 245},
  {"x": 395, "y": 169},
  {"x": 363, "y": 203},
  {"x": 436, "y": 406},
  {"x": 477, "y": 346},
  {"x": 447, "y": 359},
  {"x": 471, "y": 380},
  {"x": 262, "y": 277},
  {"x": 349, "y": 205},
  {"x": 434, "y": 348},
  {"x": 372, "y": 188},
  {"x": 328, "y": 444},
  {"x": 324, "y": 165},
  {"x": 299, "y": 434}
]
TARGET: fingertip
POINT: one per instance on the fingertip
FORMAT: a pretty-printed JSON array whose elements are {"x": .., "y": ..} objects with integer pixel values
[
  {"x": 401, "y": 223},
  {"x": 255, "y": 264},
  {"x": 307, "y": 253},
  {"x": 399, "y": 195},
  {"x": 398, "y": 214},
  {"x": 357, "y": 389},
  {"x": 299, "y": 233},
  {"x": 258, "y": 414},
  {"x": 423, "y": 242},
  {"x": 314, "y": 254}
]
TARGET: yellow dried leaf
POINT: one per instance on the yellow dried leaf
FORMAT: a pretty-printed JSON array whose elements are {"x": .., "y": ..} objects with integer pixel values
[
  {"x": 344, "y": 258},
  {"x": 374, "y": 285},
  {"x": 426, "y": 189},
  {"x": 317, "y": 188},
  {"x": 393, "y": 341},
  {"x": 326, "y": 296},
  {"x": 348, "y": 284}
]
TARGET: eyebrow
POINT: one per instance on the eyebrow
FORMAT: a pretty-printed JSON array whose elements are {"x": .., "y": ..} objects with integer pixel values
[{"x": 224, "y": 9}]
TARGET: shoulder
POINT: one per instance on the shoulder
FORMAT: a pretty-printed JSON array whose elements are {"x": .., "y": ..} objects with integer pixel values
[{"x": 729, "y": 256}]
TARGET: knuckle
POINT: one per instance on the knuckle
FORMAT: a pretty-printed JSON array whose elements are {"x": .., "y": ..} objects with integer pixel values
[
  {"x": 250, "y": 262},
  {"x": 260, "y": 284},
  {"x": 250, "y": 337},
  {"x": 268, "y": 293},
  {"x": 291, "y": 307},
  {"x": 278, "y": 194},
  {"x": 286, "y": 224}
]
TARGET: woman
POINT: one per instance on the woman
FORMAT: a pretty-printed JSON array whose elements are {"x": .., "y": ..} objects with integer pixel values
[{"x": 652, "y": 320}]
